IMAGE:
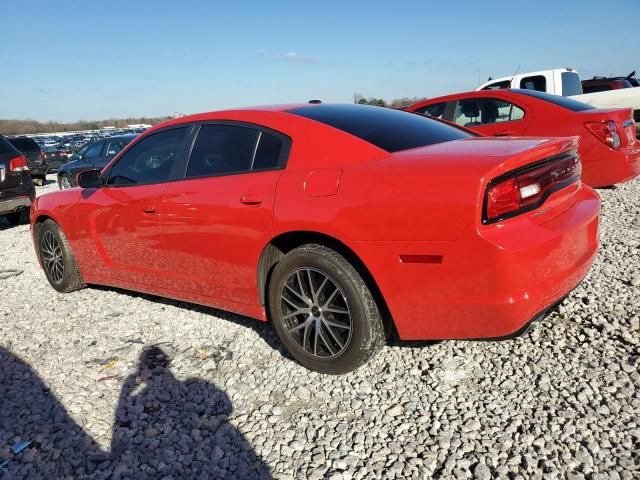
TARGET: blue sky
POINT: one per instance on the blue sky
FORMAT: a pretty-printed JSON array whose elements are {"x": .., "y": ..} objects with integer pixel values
[{"x": 93, "y": 60}]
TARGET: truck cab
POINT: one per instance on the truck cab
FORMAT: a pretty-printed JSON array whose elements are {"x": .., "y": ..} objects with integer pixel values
[{"x": 558, "y": 81}]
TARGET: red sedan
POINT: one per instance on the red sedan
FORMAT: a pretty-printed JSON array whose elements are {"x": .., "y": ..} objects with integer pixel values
[
  {"x": 335, "y": 222},
  {"x": 609, "y": 150}
]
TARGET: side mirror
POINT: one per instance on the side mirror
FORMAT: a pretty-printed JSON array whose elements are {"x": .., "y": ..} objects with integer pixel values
[{"x": 89, "y": 179}]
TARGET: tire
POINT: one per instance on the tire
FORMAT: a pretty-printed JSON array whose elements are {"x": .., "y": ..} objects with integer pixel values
[
  {"x": 62, "y": 273},
  {"x": 21, "y": 217},
  {"x": 329, "y": 347},
  {"x": 64, "y": 182}
]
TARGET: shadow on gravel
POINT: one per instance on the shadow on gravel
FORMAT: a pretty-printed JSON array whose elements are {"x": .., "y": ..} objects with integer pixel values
[
  {"x": 263, "y": 329},
  {"x": 163, "y": 427}
]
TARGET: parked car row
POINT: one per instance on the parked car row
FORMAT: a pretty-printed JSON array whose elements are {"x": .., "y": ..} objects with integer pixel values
[{"x": 338, "y": 223}]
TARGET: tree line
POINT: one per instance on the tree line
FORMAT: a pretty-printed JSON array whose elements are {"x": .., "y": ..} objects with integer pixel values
[
  {"x": 379, "y": 102},
  {"x": 23, "y": 127}
]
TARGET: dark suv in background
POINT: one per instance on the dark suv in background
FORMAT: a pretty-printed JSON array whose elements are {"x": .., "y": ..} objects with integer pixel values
[
  {"x": 16, "y": 187},
  {"x": 35, "y": 159},
  {"x": 91, "y": 156}
]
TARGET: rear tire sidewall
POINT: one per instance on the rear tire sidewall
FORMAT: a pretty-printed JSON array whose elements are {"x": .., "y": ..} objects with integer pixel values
[
  {"x": 363, "y": 311},
  {"x": 70, "y": 278},
  {"x": 63, "y": 179}
]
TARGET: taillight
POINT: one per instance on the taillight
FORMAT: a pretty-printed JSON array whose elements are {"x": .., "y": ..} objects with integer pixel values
[
  {"x": 527, "y": 188},
  {"x": 607, "y": 132},
  {"x": 18, "y": 164}
]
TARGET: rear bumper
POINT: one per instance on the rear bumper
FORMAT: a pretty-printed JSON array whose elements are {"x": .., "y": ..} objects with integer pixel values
[
  {"x": 603, "y": 167},
  {"x": 9, "y": 205},
  {"x": 491, "y": 281}
]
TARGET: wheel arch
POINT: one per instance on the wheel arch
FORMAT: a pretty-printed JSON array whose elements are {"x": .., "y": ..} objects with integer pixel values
[{"x": 282, "y": 244}]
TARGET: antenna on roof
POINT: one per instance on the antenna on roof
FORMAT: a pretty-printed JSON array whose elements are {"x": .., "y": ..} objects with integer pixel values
[{"x": 514, "y": 74}]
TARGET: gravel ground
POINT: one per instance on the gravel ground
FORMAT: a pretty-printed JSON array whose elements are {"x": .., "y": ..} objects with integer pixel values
[{"x": 114, "y": 384}]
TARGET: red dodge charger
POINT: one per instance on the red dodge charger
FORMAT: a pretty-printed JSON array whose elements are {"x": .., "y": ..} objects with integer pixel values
[
  {"x": 338, "y": 223},
  {"x": 609, "y": 150}
]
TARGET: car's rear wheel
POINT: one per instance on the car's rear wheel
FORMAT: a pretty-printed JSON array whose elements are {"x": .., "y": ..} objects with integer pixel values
[
  {"x": 57, "y": 259},
  {"x": 64, "y": 182},
  {"x": 323, "y": 310},
  {"x": 21, "y": 217}
]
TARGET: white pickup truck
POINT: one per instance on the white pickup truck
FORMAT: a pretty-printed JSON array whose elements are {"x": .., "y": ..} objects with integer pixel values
[{"x": 566, "y": 82}]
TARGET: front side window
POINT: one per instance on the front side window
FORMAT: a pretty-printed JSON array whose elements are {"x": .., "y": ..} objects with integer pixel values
[
  {"x": 535, "y": 82},
  {"x": 151, "y": 160},
  {"x": 435, "y": 110}
]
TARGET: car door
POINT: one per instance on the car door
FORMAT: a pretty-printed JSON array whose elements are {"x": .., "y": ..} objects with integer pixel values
[
  {"x": 122, "y": 218},
  {"x": 217, "y": 220},
  {"x": 492, "y": 116}
]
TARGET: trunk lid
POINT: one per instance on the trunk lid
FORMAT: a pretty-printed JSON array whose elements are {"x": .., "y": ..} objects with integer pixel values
[{"x": 546, "y": 171}]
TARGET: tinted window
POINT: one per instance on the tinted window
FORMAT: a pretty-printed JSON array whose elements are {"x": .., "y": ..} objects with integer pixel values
[
  {"x": 6, "y": 147},
  {"x": 595, "y": 88},
  {"x": 498, "y": 85},
  {"x": 113, "y": 147},
  {"x": 25, "y": 144},
  {"x": 571, "y": 84},
  {"x": 435, "y": 110},
  {"x": 564, "y": 102},
  {"x": 93, "y": 150},
  {"x": 391, "y": 130},
  {"x": 269, "y": 153},
  {"x": 535, "y": 82},
  {"x": 222, "y": 149},
  {"x": 150, "y": 160},
  {"x": 485, "y": 111}
]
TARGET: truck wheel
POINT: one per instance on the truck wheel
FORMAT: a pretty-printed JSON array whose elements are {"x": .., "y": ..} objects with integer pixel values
[
  {"x": 323, "y": 310},
  {"x": 57, "y": 259}
]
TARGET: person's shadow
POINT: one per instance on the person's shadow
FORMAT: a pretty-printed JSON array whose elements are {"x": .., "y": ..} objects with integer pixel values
[
  {"x": 167, "y": 427},
  {"x": 163, "y": 428}
]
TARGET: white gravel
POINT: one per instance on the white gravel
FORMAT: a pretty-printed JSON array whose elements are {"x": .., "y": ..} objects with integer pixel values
[{"x": 561, "y": 402}]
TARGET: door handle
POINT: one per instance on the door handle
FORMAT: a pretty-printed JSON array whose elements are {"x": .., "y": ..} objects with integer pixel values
[
  {"x": 251, "y": 199},
  {"x": 149, "y": 209},
  {"x": 503, "y": 134}
]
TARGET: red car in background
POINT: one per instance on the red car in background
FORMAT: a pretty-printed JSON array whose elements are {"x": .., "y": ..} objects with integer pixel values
[
  {"x": 609, "y": 150},
  {"x": 335, "y": 222}
]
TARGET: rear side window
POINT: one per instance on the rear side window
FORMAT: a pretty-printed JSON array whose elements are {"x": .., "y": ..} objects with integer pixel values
[
  {"x": 535, "y": 82},
  {"x": 151, "y": 160},
  {"x": 6, "y": 147},
  {"x": 25, "y": 144},
  {"x": 571, "y": 84},
  {"x": 221, "y": 149},
  {"x": 563, "y": 102},
  {"x": 391, "y": 130},
  {"x": 269, "y": 153}
]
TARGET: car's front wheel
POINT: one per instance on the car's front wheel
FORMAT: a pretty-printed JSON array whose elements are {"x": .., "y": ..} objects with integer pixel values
[
  {"x": 57, "y": 259},
  {"x": 323, "y": 310},
  {"x": 64, "y": 182}
]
